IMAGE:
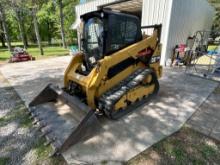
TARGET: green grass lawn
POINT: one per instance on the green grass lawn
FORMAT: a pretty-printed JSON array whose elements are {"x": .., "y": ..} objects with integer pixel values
[
  {"x": 186, "y": 146},
  {"x": 34, "y": 51}
]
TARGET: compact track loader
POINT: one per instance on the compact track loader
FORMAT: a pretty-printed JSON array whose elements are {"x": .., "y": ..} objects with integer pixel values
[{"x": 116, "y": 71}]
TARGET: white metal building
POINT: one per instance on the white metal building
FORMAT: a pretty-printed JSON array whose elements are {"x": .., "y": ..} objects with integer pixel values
[{"x": 180, "y": 18}]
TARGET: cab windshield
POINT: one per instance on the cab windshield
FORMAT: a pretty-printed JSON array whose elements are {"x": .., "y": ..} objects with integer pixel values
[{"x": 93, "y": 40}]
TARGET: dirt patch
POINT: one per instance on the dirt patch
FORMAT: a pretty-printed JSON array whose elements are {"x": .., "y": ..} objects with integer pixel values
[
  {"x": 184, "y": 147},
  {"x": 20, "y": 142}
]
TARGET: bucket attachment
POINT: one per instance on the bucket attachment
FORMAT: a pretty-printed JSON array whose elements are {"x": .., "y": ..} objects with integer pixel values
[{"x": 63, "y": 119}]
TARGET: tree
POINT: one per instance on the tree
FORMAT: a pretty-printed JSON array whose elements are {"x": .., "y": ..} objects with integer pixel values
[
  {"x": 48, "y": 21},
  {"x": 216, "y": 22},
  {"x": 37, "y": 30},
  {"x": 216, "y": 19},
  {"x": 70, "y": 17},
  {"x": 34, "y": 6},
  {"x": 60, "y": 4},
  {"x": 37, "y": 20},
  {"x": 5, "y": 27},
  {"x": 2, "y": 35},
  {"x": 18, "y": 10}
]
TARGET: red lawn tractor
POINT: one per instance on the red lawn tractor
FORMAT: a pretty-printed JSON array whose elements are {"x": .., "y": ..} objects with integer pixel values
[{"x": 20, "y": 55}]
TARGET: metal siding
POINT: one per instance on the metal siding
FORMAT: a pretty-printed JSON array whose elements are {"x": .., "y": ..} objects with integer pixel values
[
  {"x": 90, "y": 6},
  {"x": 155, "y": 12},
  {"x": 180, "y": 18},
  {"x": 86, "y": 8},
  {"x": 187, "y": 17}
]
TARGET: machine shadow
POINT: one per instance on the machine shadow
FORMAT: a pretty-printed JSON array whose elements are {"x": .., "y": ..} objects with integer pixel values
[{"x": 179, "y": 97}]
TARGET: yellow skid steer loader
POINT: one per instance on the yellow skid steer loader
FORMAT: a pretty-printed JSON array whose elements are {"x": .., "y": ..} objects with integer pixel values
[{"x": 116, "y": 71}]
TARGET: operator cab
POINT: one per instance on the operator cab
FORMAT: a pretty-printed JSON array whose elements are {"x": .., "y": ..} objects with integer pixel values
[{"x": 105, "y": 32}]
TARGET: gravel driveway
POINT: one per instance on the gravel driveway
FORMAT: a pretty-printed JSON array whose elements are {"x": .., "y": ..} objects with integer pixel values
[
  {"x": 19, "y": 140},
  {"x": 15, "y": 141}
]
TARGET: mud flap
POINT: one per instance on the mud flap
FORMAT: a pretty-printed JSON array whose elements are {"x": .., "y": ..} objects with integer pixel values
[{"x": 63, "y": 119}]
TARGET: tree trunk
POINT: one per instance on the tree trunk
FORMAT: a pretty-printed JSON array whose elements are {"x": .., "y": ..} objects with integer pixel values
[
  {"x": 49, "y": 33},
  {"x": 5, "y": 28},
  {"x": 21, "y": 27},
  {"x": 37, "y": 31},
  {"x": 25, "y": 34},
  {"x": 2, "y": 36},
  {"x": 2, "y": 40},
  {"x": 62, "y": 23},
  {"x": 25, "y": 37}
]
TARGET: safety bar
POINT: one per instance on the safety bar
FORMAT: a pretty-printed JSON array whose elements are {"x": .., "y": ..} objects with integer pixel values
[{"x": 158, "y": 27}]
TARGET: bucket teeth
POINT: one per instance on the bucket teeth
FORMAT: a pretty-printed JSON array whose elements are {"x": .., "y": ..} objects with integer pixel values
[
  {"x": 33, "y": 115},
  {"x": 65, "y": 126},
  {"x": 41, "y": 126},
  {"x": 49, "y": 141},
  {"x": 45, "y": 133},
  {"x": 36, "y": 120},
  {"x": 54, "y": 153},
  {"x": 28, "y": 113}
]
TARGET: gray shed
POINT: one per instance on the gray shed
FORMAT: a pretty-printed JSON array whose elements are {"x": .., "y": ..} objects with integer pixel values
[{"x": 180, "y": 18}]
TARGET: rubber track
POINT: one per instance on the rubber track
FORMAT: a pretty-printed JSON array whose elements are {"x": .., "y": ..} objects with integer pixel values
[{"x": 108, "y": 100}]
